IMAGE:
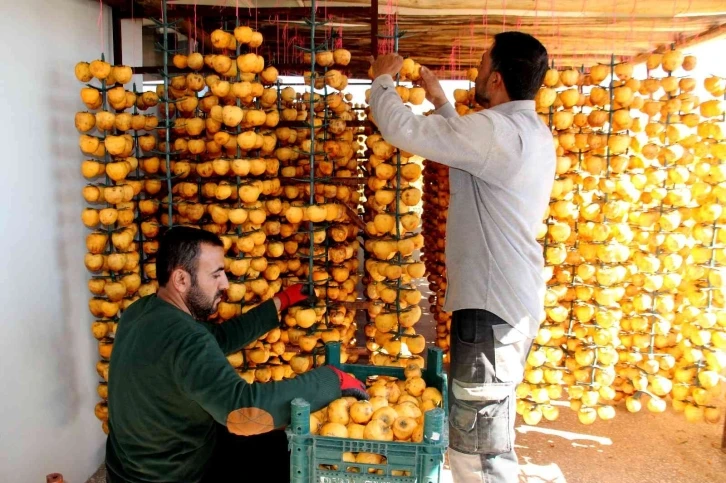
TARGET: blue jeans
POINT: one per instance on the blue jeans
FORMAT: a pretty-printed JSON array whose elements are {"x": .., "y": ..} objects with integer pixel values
[{"x": 487, "y": 362}]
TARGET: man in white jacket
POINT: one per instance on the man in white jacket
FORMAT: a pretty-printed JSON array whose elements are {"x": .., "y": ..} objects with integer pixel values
[{"x": 502, "y": 162}]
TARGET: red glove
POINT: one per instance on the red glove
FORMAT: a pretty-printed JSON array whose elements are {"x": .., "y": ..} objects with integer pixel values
[
  {"x": 349, "y": 385},
  {"x": 294, "y": 295}
]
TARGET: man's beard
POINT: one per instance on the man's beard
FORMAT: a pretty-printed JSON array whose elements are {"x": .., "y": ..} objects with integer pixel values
[
  {"x": 481, "y": 96},
  {"x": 199, "y": 305}
]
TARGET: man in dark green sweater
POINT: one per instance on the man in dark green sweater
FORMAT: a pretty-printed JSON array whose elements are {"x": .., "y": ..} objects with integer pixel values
[{"x": 169, "y": 379}]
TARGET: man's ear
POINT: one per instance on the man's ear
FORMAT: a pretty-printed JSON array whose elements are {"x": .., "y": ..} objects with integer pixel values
[
  {"x": 497, "y": 79},
  {"x": 181, "y": 280}
]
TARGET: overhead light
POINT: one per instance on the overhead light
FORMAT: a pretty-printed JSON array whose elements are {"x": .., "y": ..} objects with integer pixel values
[
  {"x": 699, "y": 14},
  {"x": 330, "y": 24}
]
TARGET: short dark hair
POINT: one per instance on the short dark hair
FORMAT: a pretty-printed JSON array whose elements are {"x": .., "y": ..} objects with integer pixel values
[
  {"x": 179, "y": 247},
  {"x": 522, "y": 62}
]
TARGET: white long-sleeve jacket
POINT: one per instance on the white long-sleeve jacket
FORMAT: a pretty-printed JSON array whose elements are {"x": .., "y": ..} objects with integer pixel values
[{"x": 502, "y": 164}]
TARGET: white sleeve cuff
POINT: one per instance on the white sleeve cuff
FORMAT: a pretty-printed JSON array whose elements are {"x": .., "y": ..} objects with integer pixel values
[
  {"x": 384, "y": 81},
  {"x": 447, "y": 110}
]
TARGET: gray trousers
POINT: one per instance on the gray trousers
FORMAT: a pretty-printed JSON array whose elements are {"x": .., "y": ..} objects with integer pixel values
[{"x": 487, "y": 362}]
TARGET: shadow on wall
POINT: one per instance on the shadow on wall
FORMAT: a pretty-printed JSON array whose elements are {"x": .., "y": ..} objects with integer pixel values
[
  {"x": 66, "y": 401},
  {"x": 70, "y": 337}
]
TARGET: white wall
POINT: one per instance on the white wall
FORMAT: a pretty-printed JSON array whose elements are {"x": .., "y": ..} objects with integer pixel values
[
  {"x": 47, "y": 354},
  {"x": 132, "y": 49}
]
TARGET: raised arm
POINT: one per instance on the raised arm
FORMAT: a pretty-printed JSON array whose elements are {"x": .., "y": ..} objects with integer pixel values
[
  {"x": 447, "y": 111},
  {"x": 238, "y": 332},
  {"x": 459, "y": 142},
  {"x": 435, "y": 94},
  {"x": 243, "y": 329}
]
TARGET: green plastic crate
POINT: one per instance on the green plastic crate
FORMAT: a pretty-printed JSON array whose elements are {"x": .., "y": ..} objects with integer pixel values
[{"x": 313, "y": 457}]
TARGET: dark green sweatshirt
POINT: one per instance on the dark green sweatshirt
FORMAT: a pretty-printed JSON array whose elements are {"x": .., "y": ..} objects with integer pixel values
[{"x": 169, "y": 380}]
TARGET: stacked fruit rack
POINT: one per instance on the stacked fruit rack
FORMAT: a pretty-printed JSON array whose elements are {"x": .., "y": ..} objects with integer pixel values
[
  {"x": 117, "y": 252},
  {"x": 391, "y": 242},
  {"x": 435, "y": 209},
  {"x": 623, "y": 296}
]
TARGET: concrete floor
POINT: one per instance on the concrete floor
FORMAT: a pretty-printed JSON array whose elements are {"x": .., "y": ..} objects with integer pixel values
[
  {"x": 642, "y": 448},
  {"x": 98, "y": 477}
]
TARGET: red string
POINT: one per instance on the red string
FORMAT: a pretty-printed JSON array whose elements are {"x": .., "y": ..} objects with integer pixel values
[
  {"x": 612, "y": 38},
  {"x": 459, "y": 63},
  {"x": 452, "y": 57},
  {"x": 292, "y": 43},
  {"x": 504, "y": 15},
  {"x": 697, "y": 36},
  {"x": 698, "y": 32},
  {"x": 559, "y": 54},
  {"x": 650, "y": 35},
  {"x": 587, "y": 46},
  {"x": 297, "y": 52},
  {"x": 339, "y": 40},
  {"x": 552, "y": 8},
  {"x": 387, "y": 45},
  {"x": 485, "y": 20},
  {"x": 277, "y": 38},
  {"x": 284, "y": 41},
  {"x": 458, "y": 60},
  {"x": 675, "y": 8},
  {"x": 471, "y": 44},
  {"x": 631, "y": 35}
]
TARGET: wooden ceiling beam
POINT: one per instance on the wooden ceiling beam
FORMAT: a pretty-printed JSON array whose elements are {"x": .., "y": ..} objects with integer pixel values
[
  {"x": 568, "y": 9},
  {"x": 517, "y": 8},
  {"x": 570, "y": 34},
  {"x": 627, "y": 7},
  {"x": 545, "y": 30},
  {"x": 479, "y": 13},
  {"x": 180, "y": 11}
]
